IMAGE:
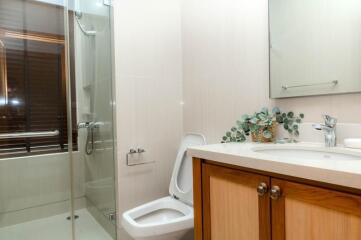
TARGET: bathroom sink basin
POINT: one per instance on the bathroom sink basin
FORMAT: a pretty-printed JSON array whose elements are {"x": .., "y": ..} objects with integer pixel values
[{"x": 310, "y": 153}]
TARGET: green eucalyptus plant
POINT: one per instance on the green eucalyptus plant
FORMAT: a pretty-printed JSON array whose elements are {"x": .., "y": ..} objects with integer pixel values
[
  {"x": 291, "y": 122},
  {"x": 262, "y": 122},
  {"x": 258, "y": 122}
]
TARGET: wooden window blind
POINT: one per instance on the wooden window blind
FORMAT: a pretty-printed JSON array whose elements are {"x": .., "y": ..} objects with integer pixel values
[{"x": 36, "y": 94}]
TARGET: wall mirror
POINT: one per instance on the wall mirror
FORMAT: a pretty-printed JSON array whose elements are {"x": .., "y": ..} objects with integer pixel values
[{"x": 315, "y": 47}]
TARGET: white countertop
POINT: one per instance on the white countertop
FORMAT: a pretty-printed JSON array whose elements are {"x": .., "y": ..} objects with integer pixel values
[{"x": 340, "y": 172}]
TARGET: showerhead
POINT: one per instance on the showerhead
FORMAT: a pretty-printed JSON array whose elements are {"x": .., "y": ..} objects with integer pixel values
[{"x": 78, "y": 16}]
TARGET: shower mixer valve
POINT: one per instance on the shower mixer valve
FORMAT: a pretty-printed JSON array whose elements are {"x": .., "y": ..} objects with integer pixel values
[{"x": 89, "y": 125}]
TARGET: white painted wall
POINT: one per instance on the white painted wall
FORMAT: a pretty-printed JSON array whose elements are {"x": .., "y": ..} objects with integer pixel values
[
  {"x": 225, "y": 59},
  {"x": 225, "y": 63},
  {"x": 148, "y": 69}
]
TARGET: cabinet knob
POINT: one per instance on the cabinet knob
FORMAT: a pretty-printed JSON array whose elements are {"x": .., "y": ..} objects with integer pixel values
[
  {"x": 276, "y": 192},
  {"x": 262, "y": 189}
]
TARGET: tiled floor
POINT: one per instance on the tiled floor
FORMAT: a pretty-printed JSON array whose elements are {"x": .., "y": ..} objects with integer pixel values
[{"x": 56, "y": 228}]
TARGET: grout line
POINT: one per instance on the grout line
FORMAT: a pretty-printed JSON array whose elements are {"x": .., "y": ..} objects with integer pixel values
[{"x": 38, "y": 206}]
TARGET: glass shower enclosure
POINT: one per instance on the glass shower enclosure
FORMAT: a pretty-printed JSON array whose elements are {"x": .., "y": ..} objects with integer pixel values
[{"x": 57, "y": 162}]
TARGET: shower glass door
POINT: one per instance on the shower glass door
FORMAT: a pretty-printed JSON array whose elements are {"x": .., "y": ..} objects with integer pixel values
[
  {"x": 56, "y": 121},
  {"x": 93, "y": 73}
]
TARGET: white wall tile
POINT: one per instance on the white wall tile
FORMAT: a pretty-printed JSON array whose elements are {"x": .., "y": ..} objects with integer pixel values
[
  {"x": 30, "y": 183},
  {"x": 148, "y": 68}
]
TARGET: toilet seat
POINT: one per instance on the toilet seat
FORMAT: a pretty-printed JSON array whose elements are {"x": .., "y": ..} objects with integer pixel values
[
  {"x": 169, "y": 215},
  {"x": 172, "y": 215},
  {"x": 181, "y": 184}
]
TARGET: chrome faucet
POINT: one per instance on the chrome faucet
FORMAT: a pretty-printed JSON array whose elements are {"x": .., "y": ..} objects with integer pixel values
[{"x": 329, "y": 129}]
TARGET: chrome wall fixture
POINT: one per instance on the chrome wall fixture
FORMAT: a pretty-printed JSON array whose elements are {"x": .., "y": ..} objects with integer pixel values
[
  {"x": 78, "y": 16},
  {"x": 89, "y": 143},
  {"x": 107, "y": 2},
  {"x": 133, "y": 152}
]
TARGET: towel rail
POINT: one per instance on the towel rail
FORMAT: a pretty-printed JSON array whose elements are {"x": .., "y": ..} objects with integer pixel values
[
  {"x": 334, "y": 82},
  {"x": 29, "y": 134}
]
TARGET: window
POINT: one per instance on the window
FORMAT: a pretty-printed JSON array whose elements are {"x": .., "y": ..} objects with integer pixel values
[{"x": 33, "y": 92}]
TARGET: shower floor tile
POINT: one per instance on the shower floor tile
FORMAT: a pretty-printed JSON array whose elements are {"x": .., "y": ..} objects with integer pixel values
[{"x": 56, "y": 228}]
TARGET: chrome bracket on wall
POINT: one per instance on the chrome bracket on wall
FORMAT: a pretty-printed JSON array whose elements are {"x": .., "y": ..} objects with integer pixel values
[
  {"x": 107, "y": 2},
  {"x": 132, "y": 152}
]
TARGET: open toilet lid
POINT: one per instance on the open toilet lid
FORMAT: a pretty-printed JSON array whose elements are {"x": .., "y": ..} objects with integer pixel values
[{"x": 181, "y": 185}]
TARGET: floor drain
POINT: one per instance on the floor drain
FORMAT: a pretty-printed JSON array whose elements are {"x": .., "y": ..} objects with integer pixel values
[{"x": 75, "y": 217}]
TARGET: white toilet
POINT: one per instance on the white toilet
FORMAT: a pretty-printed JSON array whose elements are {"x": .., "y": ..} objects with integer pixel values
[{"x": 168, "y": 218}]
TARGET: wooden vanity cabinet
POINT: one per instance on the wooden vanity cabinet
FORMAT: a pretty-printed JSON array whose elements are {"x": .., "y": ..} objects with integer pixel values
[
  {"x": 232, "y": 204},
  {"x": 305, "y": 212},
  {"x": 232, "y": 208}
]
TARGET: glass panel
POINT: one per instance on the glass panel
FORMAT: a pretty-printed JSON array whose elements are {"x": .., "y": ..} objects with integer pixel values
[
  {"x": 46, "y": 60},
  {"x": 34, "y": 158},
  {"x": 94, "y": 163}
]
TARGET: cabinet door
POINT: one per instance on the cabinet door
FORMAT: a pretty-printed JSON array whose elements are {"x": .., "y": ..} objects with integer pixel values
[
  {"x": 236, "y": 205},
  {"x": 302, "y": 212}
]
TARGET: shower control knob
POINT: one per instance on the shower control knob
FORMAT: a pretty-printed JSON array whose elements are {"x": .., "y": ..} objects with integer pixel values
[
  {"x": 132, "y": 151},
  {"x": 262, "y": 189}
]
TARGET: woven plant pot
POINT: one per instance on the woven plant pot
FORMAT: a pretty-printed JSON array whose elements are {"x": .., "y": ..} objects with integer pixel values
[{"x": 258, "y": 137}]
